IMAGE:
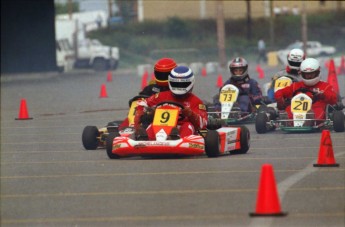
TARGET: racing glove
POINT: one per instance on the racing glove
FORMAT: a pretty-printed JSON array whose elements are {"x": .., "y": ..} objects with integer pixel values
[
  {"x": 192, "y": 117},
  {"x": 281, "y": 104}
]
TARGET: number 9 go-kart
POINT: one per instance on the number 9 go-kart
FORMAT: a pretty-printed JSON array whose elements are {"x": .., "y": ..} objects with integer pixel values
[
  {"x": 214, "y": 141},
  {"x": 302, "y": 120},
  {"x": 230, "y": 113},
  {"x": 94, "y": 138}
]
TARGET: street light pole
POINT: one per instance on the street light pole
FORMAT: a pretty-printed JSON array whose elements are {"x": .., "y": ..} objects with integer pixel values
[{"x": 221, "y": 33}]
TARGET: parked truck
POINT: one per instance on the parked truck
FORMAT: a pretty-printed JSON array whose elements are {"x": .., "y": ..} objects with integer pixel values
[{"x": 89, "y": 53}]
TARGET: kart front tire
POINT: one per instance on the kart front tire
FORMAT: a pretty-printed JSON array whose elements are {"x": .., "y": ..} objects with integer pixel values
[
  {"x": 260, "y": 123},
  {"x": 89, "y": 137},
  {"x": 244, "y": 141},
  {"x": 109, "y": 145},
  {"x": 338, "y": 121},
  {"x": 212, "y": 144}
]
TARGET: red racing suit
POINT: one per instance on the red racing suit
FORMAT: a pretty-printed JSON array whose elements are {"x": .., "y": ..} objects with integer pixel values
[
  {"x": 195, "y": 110},
  {"x": 325, "y": 95}
]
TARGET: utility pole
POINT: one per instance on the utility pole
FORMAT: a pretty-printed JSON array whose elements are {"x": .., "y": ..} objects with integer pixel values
[
  {"x": 70, "y": 10},
  {"x": 221, "y": 33},
  {"x": 304, "y": 28},
  {"x": 271, "y": 24},
  {"x": 249, "y": 21},
  {"x": 110, "y": 8}
]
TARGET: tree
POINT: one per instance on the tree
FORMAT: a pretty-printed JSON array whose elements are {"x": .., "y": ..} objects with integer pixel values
[{"x": 65, "y": 8}]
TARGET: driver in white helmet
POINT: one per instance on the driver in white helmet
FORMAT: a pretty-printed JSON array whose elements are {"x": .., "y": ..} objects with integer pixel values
[
  {"x": 294, "y": 60},
  {"x": 194, "y": 116},
  {"x": 322, "y": 93}
]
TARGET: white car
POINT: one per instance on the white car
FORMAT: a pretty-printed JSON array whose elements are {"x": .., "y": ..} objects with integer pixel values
[{"x": 314, "y": 49}]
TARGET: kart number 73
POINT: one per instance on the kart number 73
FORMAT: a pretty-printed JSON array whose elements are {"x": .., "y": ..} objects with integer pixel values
[{"x": 228, "y": 96}]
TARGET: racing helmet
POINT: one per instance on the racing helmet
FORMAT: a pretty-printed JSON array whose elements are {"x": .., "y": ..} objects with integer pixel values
[
  {"x": 181, "y": 81},
  {"x": 162, "y": 70},
  {"x": 295, "y": 58},
  {"x": 310, "y": 71},
  {"x": 238, "y": 63}
]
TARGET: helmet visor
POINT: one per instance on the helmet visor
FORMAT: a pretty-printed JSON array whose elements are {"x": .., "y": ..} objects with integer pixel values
[
  {"x": 294, "y": 63},
  {"x": 310, "y": 75},
  {"x": 162, "y": 76},
  {"x": 180, "y": 84}
]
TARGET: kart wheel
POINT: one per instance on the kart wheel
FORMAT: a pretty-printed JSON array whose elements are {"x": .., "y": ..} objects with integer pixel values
[
  {"x": 89, "y": 137},
  {"x": 109, "y": 145},
  {"x": 260, "y": 123},
  {"x": 244, "y": 141},
  {"x": 338, "y": 121},
  {"x": 212, "y": 144}
]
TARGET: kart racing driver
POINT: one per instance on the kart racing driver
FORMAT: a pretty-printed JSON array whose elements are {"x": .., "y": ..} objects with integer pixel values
[
  {"x": 322, "y": 93},
  {"x": 194, "y": 116}
]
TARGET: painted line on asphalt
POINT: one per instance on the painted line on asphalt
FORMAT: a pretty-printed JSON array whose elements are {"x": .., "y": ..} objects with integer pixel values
[
  {"x": 155, "y": 173},
  {"x": 183, "y": 217},
  {"x": 160, "y": 192}
]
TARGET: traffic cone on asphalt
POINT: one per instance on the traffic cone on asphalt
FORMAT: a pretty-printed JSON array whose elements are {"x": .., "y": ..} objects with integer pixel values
[
  {"x": 326, "y": 156},
  {"x": 341, "y": 69},
  {"x": 260, "y": 72},
  {"x": 203, "y": 72},
  {"x": 332, "y": 76},
  {"x": 109, "y": 76},
  {"x": 219, "y": 81},
  {"x": 103, "y": 93},
  {"x": 267, "y": 203},
  {"x": 23, "y": 111},
  {"x": 144, "y": 80}
]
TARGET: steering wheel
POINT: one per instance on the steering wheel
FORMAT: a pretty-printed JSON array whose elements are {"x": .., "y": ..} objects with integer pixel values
[
  {"x": 171, "y": 103},
  {"x": 135, "y": 98},
  {"x": 305, "y": 90}
]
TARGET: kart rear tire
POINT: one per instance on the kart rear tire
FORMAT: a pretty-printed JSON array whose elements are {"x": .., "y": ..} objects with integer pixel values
[
  {"x": 109, "y": 145},
  {"x": 260, "y": 123},
  {"x": 89, "y": 137},
  {"x": 244, "y": 141},
  {"x": 338, "y": 121},
  {"x": 212, "y": 144}
]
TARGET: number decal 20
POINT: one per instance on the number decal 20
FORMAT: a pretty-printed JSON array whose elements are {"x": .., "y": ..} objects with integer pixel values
[{"x": 301, "y": 106}]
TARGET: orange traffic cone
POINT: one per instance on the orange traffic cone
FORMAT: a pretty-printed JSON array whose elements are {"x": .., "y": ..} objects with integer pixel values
[
  {"x": 219, "y": 81},
  {"x": 144, "y": 80},
  {"x": 341, "y": 69},
  {"x": 332, "y": 76},
  {"x": 260, "y": 72},
  {"x": 153, "y": 77},
  {"x": 109, "y": 77},
  {"x": 267, "y": 203},
  {"x": 103, "y": 93},
  {"x": 23, "y": 111},
  {"x": 326, "y": 156},
  {"x": 203, "y": 72}
]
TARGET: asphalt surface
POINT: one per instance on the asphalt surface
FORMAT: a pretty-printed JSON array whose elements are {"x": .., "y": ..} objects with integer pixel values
[{"x": 49, "y": 179}]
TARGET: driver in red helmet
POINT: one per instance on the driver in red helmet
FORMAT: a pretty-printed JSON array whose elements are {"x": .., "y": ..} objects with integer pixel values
[
  {"x": 194, "y": 116},
  {"x": 162, "y": 69}
]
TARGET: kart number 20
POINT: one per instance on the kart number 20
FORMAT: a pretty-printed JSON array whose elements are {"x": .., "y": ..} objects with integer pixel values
[{"x": 300, "y": 106}]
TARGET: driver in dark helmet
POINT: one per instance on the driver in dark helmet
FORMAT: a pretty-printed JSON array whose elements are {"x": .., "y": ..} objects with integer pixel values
[
  {"x": 249, "y": 91},
  {"x": 194, "y": 116}
]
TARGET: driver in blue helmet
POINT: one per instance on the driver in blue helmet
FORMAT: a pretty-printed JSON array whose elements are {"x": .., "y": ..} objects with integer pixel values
[{"x": 194, "y": 116}]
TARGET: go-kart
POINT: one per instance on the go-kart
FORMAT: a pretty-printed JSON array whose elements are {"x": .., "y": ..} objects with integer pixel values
[
  {"x": 230, "y": 113},
  {"x": 94, "y": 138},
  {"x": 270, "y": 119},
  {"x": 214, "y": 141}
]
